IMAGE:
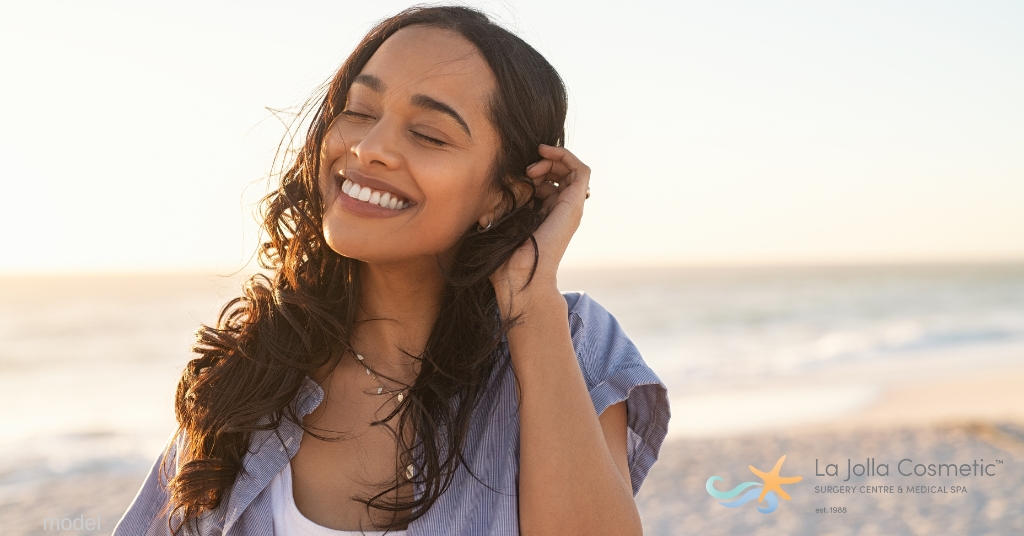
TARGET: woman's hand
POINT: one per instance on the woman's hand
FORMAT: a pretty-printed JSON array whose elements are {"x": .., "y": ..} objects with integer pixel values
[
  {"x": 562, "y": 206},
  {"x": 571, "y": 460}
]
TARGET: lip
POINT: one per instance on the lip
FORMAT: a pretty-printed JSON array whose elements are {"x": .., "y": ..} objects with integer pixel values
[
  {"x": 373, "y": 183},
  {"x": 362, "y": 208}
]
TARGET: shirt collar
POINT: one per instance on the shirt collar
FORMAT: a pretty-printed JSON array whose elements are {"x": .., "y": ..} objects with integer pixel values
[{"x": 273, "y": 449}]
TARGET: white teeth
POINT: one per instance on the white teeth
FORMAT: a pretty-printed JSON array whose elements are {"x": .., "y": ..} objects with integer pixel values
[{"x": 365, "y": 193}]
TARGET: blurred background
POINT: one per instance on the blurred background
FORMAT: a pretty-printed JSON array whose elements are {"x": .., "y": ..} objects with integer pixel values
[{"x": 808, "y": 216}]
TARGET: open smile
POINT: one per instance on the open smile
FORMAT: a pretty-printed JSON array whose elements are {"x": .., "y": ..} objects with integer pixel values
[
  {"x": 373, "y": 197},
  {"x": 367, "y": 196}
]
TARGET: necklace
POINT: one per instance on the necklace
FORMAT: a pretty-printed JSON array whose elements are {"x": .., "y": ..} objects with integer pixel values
[
  {"x": 380, "y": 388},
  {"x": 409, "y": 470}
]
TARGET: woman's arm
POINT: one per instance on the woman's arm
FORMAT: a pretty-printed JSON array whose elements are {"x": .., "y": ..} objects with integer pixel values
[{"x": 573, "y": 472}]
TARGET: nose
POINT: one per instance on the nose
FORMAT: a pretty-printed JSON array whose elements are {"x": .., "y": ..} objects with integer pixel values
[{"x": 378, "y": 146}]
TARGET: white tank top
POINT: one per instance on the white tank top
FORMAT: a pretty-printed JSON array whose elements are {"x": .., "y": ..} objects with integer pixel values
[{"x": 288, "y": 520}]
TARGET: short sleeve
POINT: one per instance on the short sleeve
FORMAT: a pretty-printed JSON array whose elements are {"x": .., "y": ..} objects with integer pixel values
[{"x": 615, "y": 371}]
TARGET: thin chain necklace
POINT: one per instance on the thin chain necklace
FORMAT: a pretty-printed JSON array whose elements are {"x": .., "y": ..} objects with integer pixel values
[
  {"x": 409, "y": 470},
  {"x": 369, "y": 372}
]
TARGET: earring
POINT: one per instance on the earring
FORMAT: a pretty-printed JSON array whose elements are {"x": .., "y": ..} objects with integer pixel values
[{"x": 481, "y": 229}]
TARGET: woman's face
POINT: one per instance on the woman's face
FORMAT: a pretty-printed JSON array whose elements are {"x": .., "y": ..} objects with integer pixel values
[{"x": 417, "y": 139}]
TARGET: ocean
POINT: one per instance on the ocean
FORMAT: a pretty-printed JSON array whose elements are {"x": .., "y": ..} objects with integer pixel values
[{"x": 89, "y": 364}]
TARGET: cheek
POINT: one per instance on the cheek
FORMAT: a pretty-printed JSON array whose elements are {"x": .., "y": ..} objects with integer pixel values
[
  {"x": 452, "y": 203},
  {"x": 333, "y": 148},
  {"x": 458, "y": 192}
]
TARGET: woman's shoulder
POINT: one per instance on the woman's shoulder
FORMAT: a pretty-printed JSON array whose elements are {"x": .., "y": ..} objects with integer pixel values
[
  {"x": 602, "y": 346},
  {"x": 572, "y": 298},
  {"x": 614, "y": 372},
  {"x": 586, "y": 308}
]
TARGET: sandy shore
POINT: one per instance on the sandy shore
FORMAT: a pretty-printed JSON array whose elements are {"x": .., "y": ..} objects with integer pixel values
[
  {"x": 101, "y": 495},
  {"x": 948, "y": 415},
  {"x": 928, "y": 388},
  {"x": 674, "y": 500},
  {"x": 929, "y": 411},
  {"x": 992, "y": 395}
]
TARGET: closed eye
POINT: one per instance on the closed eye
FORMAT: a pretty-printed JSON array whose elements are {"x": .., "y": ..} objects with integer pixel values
[
  {"x": 432, "y": 141},
  {"x": 428, "y": 139},
  {"x": 350, "y": 113}
]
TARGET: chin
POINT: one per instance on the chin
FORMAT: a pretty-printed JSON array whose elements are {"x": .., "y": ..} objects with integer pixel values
[{"x": 343, "y": 241}]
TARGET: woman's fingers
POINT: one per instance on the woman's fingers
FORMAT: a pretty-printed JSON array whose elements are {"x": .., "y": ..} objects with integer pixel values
[
  {"x": 548, "y": 204},
  {"x": 577, "y": 171},
  {"x": 558, "y": 166},
  {"x": 547, "y": 169},
  {"x": 546, "y": 189},
  {"x": 561, "y": 155},
  {"x": 547, "y": 172}
]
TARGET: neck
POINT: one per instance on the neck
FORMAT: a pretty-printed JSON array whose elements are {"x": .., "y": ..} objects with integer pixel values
[{"x": 398, "y": 306}]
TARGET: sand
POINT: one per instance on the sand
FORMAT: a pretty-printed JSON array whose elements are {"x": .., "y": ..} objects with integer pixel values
[
  {"x": 674, "y": 501},
  {"x": 917, "y": 389},
  {"x": 100, "y": 494},
  {"x": 929, "y": 411},
  {"x": 949, "y": 415}
]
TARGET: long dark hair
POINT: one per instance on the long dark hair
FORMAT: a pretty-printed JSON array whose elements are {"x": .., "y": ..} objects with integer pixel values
[{"x": 300, "y": 318}]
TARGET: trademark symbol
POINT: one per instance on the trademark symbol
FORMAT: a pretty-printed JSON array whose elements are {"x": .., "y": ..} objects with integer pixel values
[{"x": 999, "y": 462}]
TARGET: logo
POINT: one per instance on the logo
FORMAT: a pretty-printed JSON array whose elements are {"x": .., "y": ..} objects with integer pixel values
[{"x": 764, "y": 491}]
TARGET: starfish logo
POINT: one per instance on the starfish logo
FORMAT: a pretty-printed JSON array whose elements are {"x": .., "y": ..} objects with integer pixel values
[{"x": 748, "y": 491}]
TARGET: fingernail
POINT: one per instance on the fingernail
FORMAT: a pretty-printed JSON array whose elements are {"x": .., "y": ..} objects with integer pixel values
[{"x": 529, "y": 167}]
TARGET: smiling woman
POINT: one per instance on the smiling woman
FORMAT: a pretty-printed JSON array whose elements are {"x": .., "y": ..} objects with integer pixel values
[
  {"x": 412, "y": 365},
  {"x": 415, "y": 131}
]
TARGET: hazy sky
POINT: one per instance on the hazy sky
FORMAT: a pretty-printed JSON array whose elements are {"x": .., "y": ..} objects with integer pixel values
[{"x": 134, "y": 135}]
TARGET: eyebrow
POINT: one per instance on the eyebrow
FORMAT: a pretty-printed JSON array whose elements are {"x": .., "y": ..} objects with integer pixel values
[
  {"x": 422, "y": 101},
  {"x": 369, "y": 81}
]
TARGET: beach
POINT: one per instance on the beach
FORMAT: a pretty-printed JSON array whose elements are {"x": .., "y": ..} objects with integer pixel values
[
  {"x": 674, "y": 500},
  {"x": 832, "y": 367},
  {"x": 910, "y": 423},
  {"x": 941, "y": 419}
]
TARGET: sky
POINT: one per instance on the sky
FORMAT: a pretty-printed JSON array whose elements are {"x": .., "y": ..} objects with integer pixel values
[{"x": 136, "y": 136}]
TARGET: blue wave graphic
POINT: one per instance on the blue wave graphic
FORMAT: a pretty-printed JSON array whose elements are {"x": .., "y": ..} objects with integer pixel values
[
  {"x": 710, "y": 486},
  {"x": 750, "y": 495},
  {"x": 773, "y": 503}
]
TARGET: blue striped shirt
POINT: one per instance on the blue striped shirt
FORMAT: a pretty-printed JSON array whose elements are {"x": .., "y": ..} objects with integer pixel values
[{"x": 611, "y": 366}]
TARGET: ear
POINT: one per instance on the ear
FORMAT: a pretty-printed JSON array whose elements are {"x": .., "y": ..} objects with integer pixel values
[
  {"x": 523, "y": 191},
  {"x": 497, "y": 205}
]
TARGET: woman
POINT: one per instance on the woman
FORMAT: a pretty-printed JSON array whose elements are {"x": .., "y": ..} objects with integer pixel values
[{"x": 411, "y": 365}]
